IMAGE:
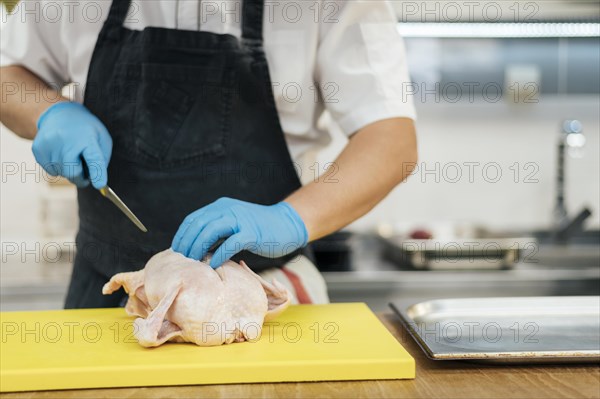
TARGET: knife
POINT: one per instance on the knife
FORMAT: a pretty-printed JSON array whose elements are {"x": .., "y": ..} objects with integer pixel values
[{"x": 107, "y": 192}]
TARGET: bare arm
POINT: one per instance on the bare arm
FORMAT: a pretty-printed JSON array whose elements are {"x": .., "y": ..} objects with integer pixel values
[
  {"x": 376, "y": 159},
  {"x": 23, "y": 98}
]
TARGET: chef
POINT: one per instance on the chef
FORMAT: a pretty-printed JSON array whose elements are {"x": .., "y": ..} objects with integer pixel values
[{"x": 198, "y": 114}]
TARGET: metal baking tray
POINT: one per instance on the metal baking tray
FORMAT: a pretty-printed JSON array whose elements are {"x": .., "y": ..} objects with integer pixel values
[
  {"x": 458, "y": 254},
  {"x": 513, "y": 329}
]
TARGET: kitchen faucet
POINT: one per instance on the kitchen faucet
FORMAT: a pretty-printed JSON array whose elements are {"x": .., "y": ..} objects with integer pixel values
[{"x": 572, "y": 141}]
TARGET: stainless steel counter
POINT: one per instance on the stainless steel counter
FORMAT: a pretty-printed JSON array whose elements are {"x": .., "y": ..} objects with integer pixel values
[{"x": 378, "y": 288}]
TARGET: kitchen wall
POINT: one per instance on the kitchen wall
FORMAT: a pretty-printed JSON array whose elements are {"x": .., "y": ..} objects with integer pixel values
[
  {"x": 24, "y": 190},
  {"x": 510, "y": 150}
]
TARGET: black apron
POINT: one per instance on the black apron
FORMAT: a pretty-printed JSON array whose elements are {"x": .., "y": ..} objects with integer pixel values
[{"x": 193, "y": 119}]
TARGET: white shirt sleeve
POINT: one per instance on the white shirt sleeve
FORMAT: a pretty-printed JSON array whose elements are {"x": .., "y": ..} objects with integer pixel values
[
  {"x": 32, "y": 38},
  {"x": 361, "y": 64}
]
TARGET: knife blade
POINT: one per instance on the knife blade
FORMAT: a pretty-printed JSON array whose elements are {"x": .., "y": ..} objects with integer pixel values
[{"x": 108, "y": 193}]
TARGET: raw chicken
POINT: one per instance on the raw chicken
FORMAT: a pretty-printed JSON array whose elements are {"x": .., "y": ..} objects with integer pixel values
[{"x": 183, "y": 300}]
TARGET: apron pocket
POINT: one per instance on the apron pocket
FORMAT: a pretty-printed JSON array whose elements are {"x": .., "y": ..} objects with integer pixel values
[
  {"x": 182, "y": 114},
  {"x": 161, "y": 110}
]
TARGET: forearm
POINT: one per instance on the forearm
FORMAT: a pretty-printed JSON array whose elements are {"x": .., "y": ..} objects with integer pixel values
[
  {"x": 376, "y": 159},
  {"x": 23, "y": 98}
]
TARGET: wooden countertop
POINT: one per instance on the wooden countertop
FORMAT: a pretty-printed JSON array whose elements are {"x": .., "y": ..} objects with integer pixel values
[{"x": 434, "y": 379}]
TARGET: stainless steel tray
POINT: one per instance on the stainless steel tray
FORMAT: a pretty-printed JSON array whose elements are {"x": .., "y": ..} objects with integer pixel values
[
  {"x": 514, "y": 329},
  {"x": 458, "y": 254}
]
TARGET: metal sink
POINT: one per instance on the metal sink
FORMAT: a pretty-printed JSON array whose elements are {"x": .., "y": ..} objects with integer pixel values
[
  {"x": 570, "y": 256},
  {"x": 581, "y": 250},
  {"x": 582, "y": 238}
]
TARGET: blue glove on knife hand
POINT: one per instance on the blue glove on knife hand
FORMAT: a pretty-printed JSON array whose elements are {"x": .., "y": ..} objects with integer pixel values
[
  {"x": 67, "y": 131},
  {"x": 266, "y": 230}
]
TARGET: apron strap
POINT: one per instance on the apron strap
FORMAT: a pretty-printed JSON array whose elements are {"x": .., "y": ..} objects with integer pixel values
[
  {"x": 252, "y": 19},
  {"x": 118, "y": 12}
]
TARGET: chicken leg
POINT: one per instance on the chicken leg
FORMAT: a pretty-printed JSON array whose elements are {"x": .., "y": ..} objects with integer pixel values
[{"x": 156, "y": 329}]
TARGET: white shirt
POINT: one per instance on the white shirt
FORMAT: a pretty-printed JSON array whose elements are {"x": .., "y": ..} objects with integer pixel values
[{"x": 350, "y": 48}]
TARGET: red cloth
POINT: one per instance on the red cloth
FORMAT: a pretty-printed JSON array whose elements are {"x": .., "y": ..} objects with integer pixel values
[{"x": 301, "y": 293}]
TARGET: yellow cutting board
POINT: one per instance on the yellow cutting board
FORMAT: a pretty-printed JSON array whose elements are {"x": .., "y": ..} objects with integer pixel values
[{"x": 95, "y": 348}]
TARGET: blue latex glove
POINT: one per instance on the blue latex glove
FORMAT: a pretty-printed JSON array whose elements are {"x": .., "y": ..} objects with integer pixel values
[
  {"x": 66, "y": 132},
  {"x": 270, "y": 231}
]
